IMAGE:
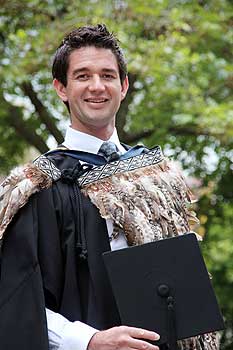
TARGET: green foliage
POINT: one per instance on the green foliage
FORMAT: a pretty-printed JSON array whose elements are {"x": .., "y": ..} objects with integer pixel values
[
  {"x": 180, "y": 62},
  {"x": 218, "y": 252}
]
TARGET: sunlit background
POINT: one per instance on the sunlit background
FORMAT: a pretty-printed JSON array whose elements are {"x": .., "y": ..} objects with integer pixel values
[{"x": 180, "y": 60}]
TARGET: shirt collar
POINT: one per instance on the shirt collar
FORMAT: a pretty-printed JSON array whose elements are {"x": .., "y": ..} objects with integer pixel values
[{"x": 80, "y": 141}]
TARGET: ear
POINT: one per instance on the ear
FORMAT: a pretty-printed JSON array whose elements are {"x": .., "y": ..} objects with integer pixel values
[
  {"x": 60, "y": 89},
  {"x": 124, "y": 87}
]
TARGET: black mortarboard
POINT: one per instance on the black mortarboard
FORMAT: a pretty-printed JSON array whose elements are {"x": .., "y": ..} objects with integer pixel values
[{"x": 164, "y": 286}]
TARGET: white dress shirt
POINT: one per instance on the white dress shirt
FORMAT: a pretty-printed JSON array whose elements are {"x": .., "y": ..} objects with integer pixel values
[{"x": 63, "y": 334}]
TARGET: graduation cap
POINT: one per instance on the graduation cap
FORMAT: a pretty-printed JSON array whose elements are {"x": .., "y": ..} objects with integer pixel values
[{"x": 164, "y": 286}]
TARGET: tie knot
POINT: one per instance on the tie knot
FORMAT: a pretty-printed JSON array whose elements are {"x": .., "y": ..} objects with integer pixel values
[{"x": 109, "y": 151}]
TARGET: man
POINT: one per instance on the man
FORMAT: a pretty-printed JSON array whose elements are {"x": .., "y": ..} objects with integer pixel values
[{"x": 52, "y": 273}]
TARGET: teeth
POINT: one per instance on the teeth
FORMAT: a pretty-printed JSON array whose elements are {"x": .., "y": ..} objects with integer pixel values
[{"x": 96, "y": 101}]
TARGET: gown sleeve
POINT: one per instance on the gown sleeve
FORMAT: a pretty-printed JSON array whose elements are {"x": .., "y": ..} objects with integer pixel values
[
  {"x": 38, "y": 271},
  {"x": 22, "y": 305},
  {"x": 31, "y": 272}
]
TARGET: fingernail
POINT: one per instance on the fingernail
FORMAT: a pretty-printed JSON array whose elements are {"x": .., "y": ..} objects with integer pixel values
[{"x": 157, "y": 336}]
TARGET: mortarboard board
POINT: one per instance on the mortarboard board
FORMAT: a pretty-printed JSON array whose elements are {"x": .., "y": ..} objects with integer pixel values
[{"x": 164, "y": 286}]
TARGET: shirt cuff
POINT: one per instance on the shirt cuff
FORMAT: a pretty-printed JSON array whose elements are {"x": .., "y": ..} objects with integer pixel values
[{"x": 76, "y": 335}]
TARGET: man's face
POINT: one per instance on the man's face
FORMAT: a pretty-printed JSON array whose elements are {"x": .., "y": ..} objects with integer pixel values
[{"x": 94, "y": 90}]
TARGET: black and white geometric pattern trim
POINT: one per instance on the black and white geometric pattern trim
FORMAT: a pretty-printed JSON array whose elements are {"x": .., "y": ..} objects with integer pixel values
[
  {"x": 48, "y": 167},
  {"x": 120, "y": 166},
  {"x": 154, "y": 156}
]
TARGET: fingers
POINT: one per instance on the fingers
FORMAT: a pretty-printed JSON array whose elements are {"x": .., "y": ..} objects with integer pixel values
[
  {"x": 124, "y": 338},
  {"x": 141, "y": 345},
  {"x": 143, "y": 333},
  {"x": 136, "y": 334}
]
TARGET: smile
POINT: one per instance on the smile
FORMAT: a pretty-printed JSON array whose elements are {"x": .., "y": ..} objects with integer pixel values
[{"x": 95, "y": 100}]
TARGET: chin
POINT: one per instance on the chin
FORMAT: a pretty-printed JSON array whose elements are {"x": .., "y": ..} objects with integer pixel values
[{"x": 101, "y": 120}]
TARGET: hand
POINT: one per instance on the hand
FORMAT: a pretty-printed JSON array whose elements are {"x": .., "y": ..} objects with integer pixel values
[{"x": 123, "y": 338}]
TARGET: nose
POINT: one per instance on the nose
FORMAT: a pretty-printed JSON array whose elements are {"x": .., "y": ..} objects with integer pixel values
[{"x": 96, "y": 84}]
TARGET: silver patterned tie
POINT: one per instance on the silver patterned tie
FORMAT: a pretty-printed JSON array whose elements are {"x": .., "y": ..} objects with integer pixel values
[{"x": 109, "y": 151}]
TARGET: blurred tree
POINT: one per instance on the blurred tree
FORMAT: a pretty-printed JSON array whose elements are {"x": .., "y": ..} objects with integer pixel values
[
  {"x": 180, "y": 63},
  {"x": 181, "y": 79},
  {"x": 218, "y": 251}
]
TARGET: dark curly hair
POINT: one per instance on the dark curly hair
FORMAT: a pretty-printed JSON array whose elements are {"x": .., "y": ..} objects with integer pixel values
[{"x": 97, "y": 36}]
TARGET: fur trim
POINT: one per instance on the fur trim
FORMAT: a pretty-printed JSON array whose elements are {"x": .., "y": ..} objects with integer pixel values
[
  {"x": 148, "y": 204},
  {"x": 16, "y": 189},
  {"x": 208, "y": 341}
]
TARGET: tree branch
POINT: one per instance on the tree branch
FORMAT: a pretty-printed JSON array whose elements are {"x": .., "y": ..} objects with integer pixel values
[
  {"x": 122, "y": 113},
  {"x": 43, "y": 113},
  {"x": 135, "y": 137},
  {"x": 187, "y": 130},
  {"x": 24, "y": 131},
  {"x": 181, "y": 131}
]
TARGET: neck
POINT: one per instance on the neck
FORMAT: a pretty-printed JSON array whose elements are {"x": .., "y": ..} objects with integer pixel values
[{"x": 103, "y": 133}]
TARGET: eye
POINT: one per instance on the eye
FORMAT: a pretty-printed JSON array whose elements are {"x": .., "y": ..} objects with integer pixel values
[
  {"x": 82, "y": 77},
  {"x": 108, "y": 76}
]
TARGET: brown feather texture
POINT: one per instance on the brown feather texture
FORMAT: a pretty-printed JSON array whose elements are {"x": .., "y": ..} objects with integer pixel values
[
  {"x": 208, "y": 341},
  {"x": 16, "y": 189},
  {"x": 148, "y": 204}
]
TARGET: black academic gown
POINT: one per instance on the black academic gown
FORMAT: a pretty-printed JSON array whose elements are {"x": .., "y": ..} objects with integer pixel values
[{"x": 44, "y": 264}]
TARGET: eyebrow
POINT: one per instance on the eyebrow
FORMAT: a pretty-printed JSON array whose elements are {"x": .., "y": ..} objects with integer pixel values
[
  {"x": 85, "y": 69},
  {"x": 109, "y": 70}
]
